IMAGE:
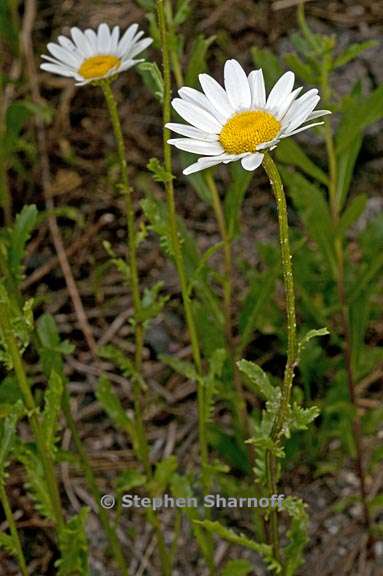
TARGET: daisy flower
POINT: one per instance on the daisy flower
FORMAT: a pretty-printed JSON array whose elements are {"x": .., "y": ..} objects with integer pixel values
[
  {"x": 238, "y": 122},
  {"x": 90, "y": 55}
]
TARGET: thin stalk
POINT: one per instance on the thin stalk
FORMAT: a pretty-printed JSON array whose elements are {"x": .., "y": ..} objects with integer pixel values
[
  {"x": 110, "y": 531},
  {"x": 13, "y": 530},
  {"x": 46, "y": 460},
  {"x": 292, "y": 348},
  {"x": 180, "y": 266},
  {"x": 344, "y": 310},
  {"x": 143, "y": 447}
]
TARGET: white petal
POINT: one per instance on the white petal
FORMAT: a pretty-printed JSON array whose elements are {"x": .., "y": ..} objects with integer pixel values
[
  {"x": 204, "y": 163},
  {"x": 140, "y": 47},
  {"x": 237, "y": 85},
  {"x": 64, "y": 55},
  {"x": 285, "y": 103},
  {"x": 303, "y": 112},
  {"x": 191, "y": 132},
  {"x": 296, "y": 106},
  {"x": 287, "y": 134},
  {"x": 216, "y": 95},
  {"x": 92, "y": 39},
  {"x": 66, "y": 43},
  {"x": 196, "y": 116},
  {"x": 81, "y": 42},
  {"x": 197, "y": 146},
  {"x": 128, "y": 64},
  {"x": 252, "y": 161},
  {"x": 280, "y": 90},
  {"x": 114, "y": 39},
  {"x": 196, "y": 97},
  {"x": 127, "y": 38},
  {"x": 56, "y": 69},
  {"x": 318, "y": 114},
  {"x": 103, "y": 39},
  {"x": 257, "y": 88},
  {"x": 270, "y": 144}
]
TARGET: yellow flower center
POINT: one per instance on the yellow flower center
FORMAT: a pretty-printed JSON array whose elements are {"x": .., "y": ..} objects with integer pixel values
[
  {"x": 246, "y": 130},
  {"x": 98, "y": 66}
]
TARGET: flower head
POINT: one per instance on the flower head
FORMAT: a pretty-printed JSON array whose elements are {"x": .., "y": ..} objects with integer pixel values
[
  {"x": 238, "y": 122},
  {"x": 91, "y": 55}
]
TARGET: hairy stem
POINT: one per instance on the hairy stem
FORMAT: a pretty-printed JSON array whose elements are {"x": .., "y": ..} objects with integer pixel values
[
  {"x": 127, "y": 191},
  {"x": 180, "y": 265},
  {"x": 292, "y": 348},
  {"x": 13, "y": 529}
]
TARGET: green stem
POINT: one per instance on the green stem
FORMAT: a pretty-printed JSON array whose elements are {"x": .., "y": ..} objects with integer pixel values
[
  {"x": 46, "y": 460},
  {"x": 180, "y": 266},
  {"x": 292, "y": 348},
  {"x": 13, "y": 529},
  {"x": 92, "y": 483},
  {"x": 143, "y": 447}
]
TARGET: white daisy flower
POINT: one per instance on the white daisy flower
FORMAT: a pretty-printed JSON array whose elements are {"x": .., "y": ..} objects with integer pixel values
[
  {"x": 91, "y": 55},
  {"x": 237, "y": 122}
]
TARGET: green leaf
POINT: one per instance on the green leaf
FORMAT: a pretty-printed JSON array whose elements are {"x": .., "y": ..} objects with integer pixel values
[
  {"x": 180, "y": 366},
  {"x": 297, "y": 534},
  {"x": 18, "y": 236},
  {"x": 8, "y": 544},
  {"x": 113, "y": 407},
  {"x": 163, "y": 474},
  {"x": 237, "y": 568},
  {"x": 158, "y": 170},
  {"x": 130, "y": 479},
  {"x": 302, "y": 69},
  {"x": 210, "y": 382},
  {"x": 36, "y": 481},
  {"x": 353, "y": 211},
  {"x": 182, "y": 13},
  {"x": 74, "y": 547},
  {"x": 50, "y": 416},
  {"x": 197, "y": 59},
  {"x": 152, "y": 77},
  {"x": 118, "y": 358},
  {"x": 152, "y": 303},
  {"x": 258, "y": 378},
  {"x": 313, "y": 209},
  {"x": 121, "y": 265},
  {"x": 289, "y": 152},
  {"x": 261, "y": 290},
  {"x": 51, "y": 348},
  {"x": 264, "y": 550},
  {"x": 181, "y": 488},
  {"x": 307, "y": 337},
  {"x": 300, "y": 418},
  {"x": 345, "y": 169},
  {"x": 7, "y": 434},
  {"x": 360, "y": 113},
  {"x": 353, "y": 52}
]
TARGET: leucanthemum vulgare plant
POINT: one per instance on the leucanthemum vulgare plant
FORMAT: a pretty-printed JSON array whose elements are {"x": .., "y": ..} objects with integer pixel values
[
  {"x": 239, "y": 123},
  {"x": 97, "y": 58}
]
